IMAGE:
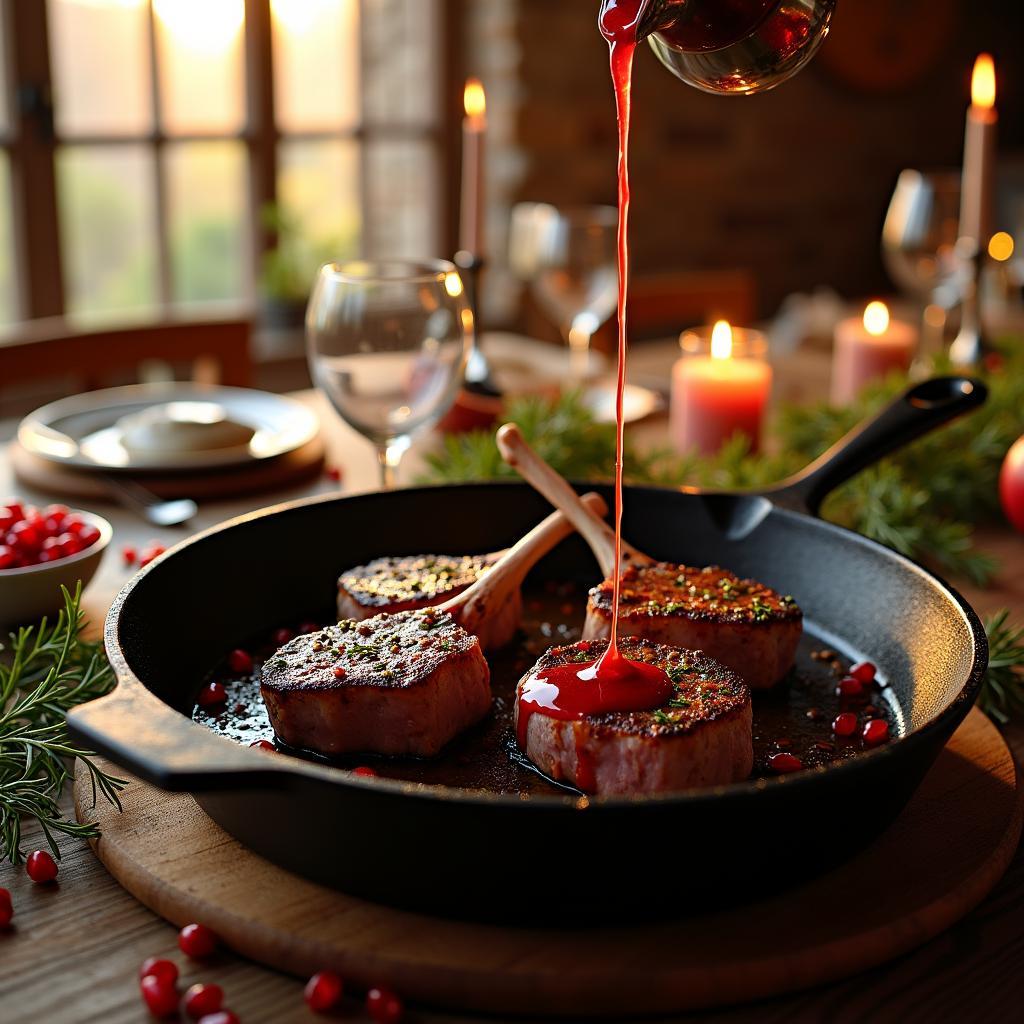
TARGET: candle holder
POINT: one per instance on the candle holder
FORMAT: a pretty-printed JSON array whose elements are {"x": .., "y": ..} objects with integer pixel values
[
  {"x": 970, "y": 345},
  {"x": 479, "y": 379},
  {"x": 720, "y": 386}
]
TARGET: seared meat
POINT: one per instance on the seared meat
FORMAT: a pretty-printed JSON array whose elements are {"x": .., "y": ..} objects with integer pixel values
[
  {"x": 744, "y": 624},
  {"x": 388, "y": 585},
  {"x": 702, "y": 736},
  {"x": 392, "y": 684}
]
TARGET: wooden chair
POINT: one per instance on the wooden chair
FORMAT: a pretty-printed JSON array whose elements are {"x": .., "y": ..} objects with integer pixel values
[
  {"x": 51, "y": 357},
  {"x": 663, "y": 304}
]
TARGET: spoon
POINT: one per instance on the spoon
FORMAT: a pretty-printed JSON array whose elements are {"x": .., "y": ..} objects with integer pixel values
[{"x": 148, "y": 505}]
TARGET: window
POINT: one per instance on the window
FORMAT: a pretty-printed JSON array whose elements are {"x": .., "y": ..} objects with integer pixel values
[{"x": 175, "y": 124}]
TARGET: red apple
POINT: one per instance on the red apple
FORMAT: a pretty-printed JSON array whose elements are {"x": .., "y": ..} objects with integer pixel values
[{"x": 1011, "y": 484}]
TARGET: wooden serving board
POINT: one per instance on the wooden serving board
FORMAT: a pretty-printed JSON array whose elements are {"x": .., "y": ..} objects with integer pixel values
[
  {"x": 285, "y": 470},
  {"x": 930, "y": 868}
]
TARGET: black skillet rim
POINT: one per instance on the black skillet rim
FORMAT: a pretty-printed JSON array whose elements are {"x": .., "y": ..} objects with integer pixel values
[{"x": 396, "y": 787}]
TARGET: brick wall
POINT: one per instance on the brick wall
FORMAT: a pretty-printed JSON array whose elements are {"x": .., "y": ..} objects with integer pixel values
[{"x": 792, "y": 184}]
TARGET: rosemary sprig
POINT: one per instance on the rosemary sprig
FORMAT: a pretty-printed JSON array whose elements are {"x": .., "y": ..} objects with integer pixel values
[
  {"x": 1002, "y": 692},
  {"x": 45, "y": 671}
]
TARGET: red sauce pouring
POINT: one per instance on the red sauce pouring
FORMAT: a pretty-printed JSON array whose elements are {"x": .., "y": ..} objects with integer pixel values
[{"x": 613, "y": 682}]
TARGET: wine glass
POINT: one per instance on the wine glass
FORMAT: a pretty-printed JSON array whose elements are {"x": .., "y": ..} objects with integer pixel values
[
  {"x": 387, "y": 342},
  {"x": 739, "y": 46},
  {"x": 568, "y": 256}
]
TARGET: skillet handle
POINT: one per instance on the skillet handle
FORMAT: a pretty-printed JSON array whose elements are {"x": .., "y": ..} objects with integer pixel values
[
  {"x": 159, "y": 745},
  {"x": 919, "y": 410}
]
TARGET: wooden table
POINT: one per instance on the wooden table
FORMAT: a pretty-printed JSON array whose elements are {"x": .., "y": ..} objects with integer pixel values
[{"x": 75, "y": 952}]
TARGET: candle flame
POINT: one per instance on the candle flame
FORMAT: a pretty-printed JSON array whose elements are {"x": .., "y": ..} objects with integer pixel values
[
  {"x": 474, "y": 99},
  {"x": 1000, "y": 246},
  {"x": 876, "y": 318},
  {"x": 983, "y": 82},
  {"x": 721, "y": 340},
  {"x": 453, "y": 284}
]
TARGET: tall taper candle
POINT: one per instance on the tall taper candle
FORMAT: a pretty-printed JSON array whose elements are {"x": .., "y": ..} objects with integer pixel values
[
  {"x": 976, "y": 187},
  {"x": 474, "y": 130}
]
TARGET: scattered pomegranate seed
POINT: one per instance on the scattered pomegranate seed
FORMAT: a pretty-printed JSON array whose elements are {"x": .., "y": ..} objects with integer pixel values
[
  {"x": 240, "y": 661},
  {"x": 383, "y": 1006},
  {"x": 850, "y": 688},
  {"x": 196, "y": 940},
  {"x": 363, "y": 770},
  {"x": 323, "y": 991},
  {"x": 282, "y": 636},
  {"x": 212, "y": 693},
  {"x": 201, "y": 1000},
  {"x": 129, "y": 554},
  {"x": 864, "y": 671},
  {"x": 845, "y": 724},
  {"x": 163, "y": 970},
  {"x": 41, "y": 867},
  {"x": 784, "y": 762},
  {"x": 339, "y": 672},
  {"x": 332, "y": 473},
  {"x": 161, "y": 998},
  {"x": 308, "y": 627},
  {"x": 220, "y": 1017},
  {"x": 815, "y": 714},
  {"x": 876, "y": 731},
  {"x": 6, "y": 909},
  {"x": 147, "y": 556},
  {"x": 783, "y": 743},
  {"x": 263, "y": 745}
]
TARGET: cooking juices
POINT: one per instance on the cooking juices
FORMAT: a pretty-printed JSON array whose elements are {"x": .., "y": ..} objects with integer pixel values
[{"x": 612, "y": 683}]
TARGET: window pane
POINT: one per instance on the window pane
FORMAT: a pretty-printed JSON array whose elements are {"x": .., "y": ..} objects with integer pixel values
[
  {"x": 318, "y": 188},
  {"x": 199, "y": 52},
  {"x": 107, "y": 227},
  {"x": 207, "y": 206},
  {"x": 8, "y": 299},
  {"x": 316, "y": 63},
  {"x": 401, "y": 41},
  {"x": 401, "y": 199},
  {"x": 101, "y": 67}
]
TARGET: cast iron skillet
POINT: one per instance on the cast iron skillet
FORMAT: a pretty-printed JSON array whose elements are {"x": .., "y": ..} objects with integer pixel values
[{"x": 467, "y": 853}]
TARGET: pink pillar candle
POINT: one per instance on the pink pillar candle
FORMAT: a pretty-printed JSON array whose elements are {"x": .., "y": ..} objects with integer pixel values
[
  {"x": 868, "y": 348},
  {"x": 720, "y": 387}
]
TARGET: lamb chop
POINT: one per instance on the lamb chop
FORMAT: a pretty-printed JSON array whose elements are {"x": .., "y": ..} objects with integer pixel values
[
  {"x": 700, "y": 735},
  {"x": 742, "y": 623},
  {"x": 406, "y": 683}
]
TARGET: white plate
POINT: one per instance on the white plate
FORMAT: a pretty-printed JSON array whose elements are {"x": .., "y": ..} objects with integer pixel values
[
  {"x": 83, "y": 430},
  {"x": 637, "y": 402}
]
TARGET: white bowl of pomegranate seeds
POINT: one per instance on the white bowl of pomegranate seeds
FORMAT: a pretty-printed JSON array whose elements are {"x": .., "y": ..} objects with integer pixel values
[{"x": 42, "y": 549}]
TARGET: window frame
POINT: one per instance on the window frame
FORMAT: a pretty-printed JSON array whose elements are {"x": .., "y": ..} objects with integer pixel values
[{"x": 33, "y": 143}]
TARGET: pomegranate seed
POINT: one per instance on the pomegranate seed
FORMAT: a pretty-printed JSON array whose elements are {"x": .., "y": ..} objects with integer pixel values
[
  {"x": 6, "y": 909},
  {"x": 876, "y": 731},
  {"x": 89, "y": 534},
  {"x": 220, "y": 1017},
  {"x": 282, "y": 636},
  {"x": 864, "y": 671},
  {"x": 52, "y": 544},
  {"x": 845, "y": 724},
  {"x": 25, "y": 534},
  {"x": 15, "y": 509},
  {"x": 850, "y": 689},
  {"x": 323, "y": 991},
  {"x": 57, "y": 512},
  {"x": 201, "y": 1000},
  {"x": 871, "y": 711},
  {"x": 339, "y": 672},
  {"x": 308, "y": 627},
  {"x": 783, "y": 743},
  {"x": 212, "y": 693},
  {"x": 129, "y": 554},
  {"x": 383, "y": 1006},
  {"x": 7, "y": 557},
  {"x": 74, "y": 524},
  {"x": 366, "y": 772},
  {"x": 41, "y": 867},
  {"x": 196, "y": 940},
  {"x": 52, "y": 526},
  {"x": 332, "y": 473},
  {"x": 70, "y": 544},
  {"x": 161, "y": 999},
  {"x": 815, "y": 714},
  {"x": 165, "y": 971},
  {"x": 263, "y": 745},
  {"x": 46, "y": 556},
  {"x": 240, "y": 661},
  {"x": 784, "y": 762}
]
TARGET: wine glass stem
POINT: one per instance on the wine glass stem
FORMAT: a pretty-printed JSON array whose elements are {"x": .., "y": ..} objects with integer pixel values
[
  {"x": 389, "y": 456},
  {"x": 579, "y": 355}
]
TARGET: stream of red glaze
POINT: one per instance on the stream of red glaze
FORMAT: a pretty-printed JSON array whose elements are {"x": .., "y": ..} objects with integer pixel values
[{"x": 613, "y": 682}]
